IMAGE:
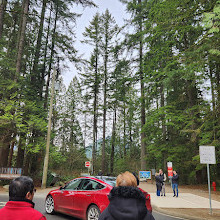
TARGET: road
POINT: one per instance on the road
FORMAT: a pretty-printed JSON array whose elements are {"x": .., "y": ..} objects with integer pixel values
[{"x": 39, "y": 205}]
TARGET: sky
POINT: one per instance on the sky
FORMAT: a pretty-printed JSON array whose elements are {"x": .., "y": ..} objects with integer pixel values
[{"x": 115, "y": 7}]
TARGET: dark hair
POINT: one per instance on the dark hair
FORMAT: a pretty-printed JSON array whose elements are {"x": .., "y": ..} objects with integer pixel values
[
  {"x": 20, "y": 186},
  {"x": 136, "y": 176}
]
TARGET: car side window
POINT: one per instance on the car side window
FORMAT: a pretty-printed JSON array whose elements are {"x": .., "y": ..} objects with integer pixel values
[
  {"x": 99, "y": 186},
  {"x": 85, "y": 184},
  {"x": 73, "y": 185},
  {"x": 91, "y": 185}
]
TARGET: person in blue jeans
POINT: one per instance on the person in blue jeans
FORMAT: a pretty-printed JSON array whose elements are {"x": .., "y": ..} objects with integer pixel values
[
  {"x": 175, "y": 183},
  {"x": 159, "y": 182}
]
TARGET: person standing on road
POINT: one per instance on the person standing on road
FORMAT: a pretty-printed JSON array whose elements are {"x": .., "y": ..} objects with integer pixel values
[
  {"x": 127, "y": 202},
  {"x": 20, "y": 205},
  {"x": 159, "y": 182},
  {"x": 175, "y": 183},
  {"x": 163, "y": 175}
]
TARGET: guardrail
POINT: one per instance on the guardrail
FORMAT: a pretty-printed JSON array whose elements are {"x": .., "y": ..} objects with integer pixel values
[{"x": 10, "y": 173}]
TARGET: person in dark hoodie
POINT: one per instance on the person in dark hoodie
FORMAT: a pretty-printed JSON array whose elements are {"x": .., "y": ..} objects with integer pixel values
[
  {"x": 175, "y": 183},
  {"x": 127, "y": 202},
  {"x": 159, "y": 183}
]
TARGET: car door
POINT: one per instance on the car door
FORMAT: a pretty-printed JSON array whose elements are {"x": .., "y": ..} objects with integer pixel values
[
  {"x": 85, "y": 196},
  {"x": 66, "y": 196}
]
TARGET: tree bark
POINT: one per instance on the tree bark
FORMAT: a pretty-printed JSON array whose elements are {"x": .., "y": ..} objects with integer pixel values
[
  {"x": 113, "y": 143},
  {"x": 124, "y": 130},
  {"x": 162, "y": 104},
  {"x": 11, "y": 154},
  {"x": 51, "y": 58},
  {"x": 22, "y": 38},
  {"x": 3, "y": 4},
  {"x": 94, "y": 130},
  {"x": 45, "y": 53},
  {"x": 20, "y": 154},
  {"x": 38, "y": 46},
  {"x": 27, "y": 164},
  {"x": 4, "y": 152},
  {"x": 104, "y": 104},
  {"x": 143, "y": 145}
]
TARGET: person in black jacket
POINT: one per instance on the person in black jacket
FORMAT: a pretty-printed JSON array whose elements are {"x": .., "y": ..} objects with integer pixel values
[
  {"x": 159, "y": 183},
  {"x": 175, "y": 183},
  {"x": 127, "y": 202}
]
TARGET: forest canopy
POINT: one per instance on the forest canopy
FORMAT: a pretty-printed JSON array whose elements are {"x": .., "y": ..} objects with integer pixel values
[{"x": 148, "y": 93}]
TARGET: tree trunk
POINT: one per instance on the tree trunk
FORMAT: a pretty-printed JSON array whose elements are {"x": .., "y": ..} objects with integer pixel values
[
  {"x": 3, "y": 4},
  {"x": 45, "y": 53},
  {"x": 35, "y": 73},
  {"x": 124, "y": 131},
  {"x": 94, "y": 132},
  {"x": 213, "y": 99},
  {"x": 27, "y": 164},
  {"x": 20, "y": 154},
  {"x": 11, "y": 154},
  {"x": 113, "y": 143},
  {"x": 162, "y": 104},
  {"x": 218, "y": 88},
  {"x": 104, "y": 110},
  {"x": 22, "y": 38},
  {"x": 143, "y": 145},
  {"x": 4, "y": 152},
  {"x": 51, "y": 58},
  {"x": 95, "y": 104}
]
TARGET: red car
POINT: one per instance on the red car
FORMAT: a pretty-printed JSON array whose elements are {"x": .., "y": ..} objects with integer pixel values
[{"x": 84, "y": 197}]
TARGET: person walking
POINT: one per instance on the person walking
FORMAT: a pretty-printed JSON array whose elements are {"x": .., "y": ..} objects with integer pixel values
[
  {"x": 175, "y": 183},
  {"x": 20, "y": 205},
  {"x": 127, "y": 202},
  {"x": 164, "y": 177},
  {"x": 159, "y": 182}
]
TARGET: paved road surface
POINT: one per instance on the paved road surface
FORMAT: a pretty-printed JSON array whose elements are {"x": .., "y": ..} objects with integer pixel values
[{"x": 39, "y": 205}]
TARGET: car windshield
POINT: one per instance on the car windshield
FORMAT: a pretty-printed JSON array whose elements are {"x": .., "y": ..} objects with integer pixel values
[{"x": 108, "y": 179}]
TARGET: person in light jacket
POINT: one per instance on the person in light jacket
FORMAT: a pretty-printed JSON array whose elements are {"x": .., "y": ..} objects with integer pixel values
[
  {"x": 127, "y": 202},
  {"x": 163, "y": 175}
]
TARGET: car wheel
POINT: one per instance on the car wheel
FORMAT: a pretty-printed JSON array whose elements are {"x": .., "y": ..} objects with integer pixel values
[
  {"x": 93, "y": 213},
  {"x": 49, "y": 205}
]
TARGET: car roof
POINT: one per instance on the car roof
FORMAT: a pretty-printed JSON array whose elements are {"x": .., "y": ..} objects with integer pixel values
[
  {"x": 91, "y": 177},
  {"x": 96, "y": 178}
]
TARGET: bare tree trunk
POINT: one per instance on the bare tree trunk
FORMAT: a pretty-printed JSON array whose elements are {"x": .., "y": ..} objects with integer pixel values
[
  {"x": 20, "y": 154},
  {"x": 162, "y": 104},
  {"x": 124, "y": 131},
  {"x": 3, "y": 4},
  {"x": 218, "y": 88},
  {"x": 27, "y": 164},
  {"x": 104, "y": 112},
  {"x": 38, "y": 46},
  {"x": 94, "y": 132},
  {"x": 94, "y": 147},
  {"x": 45, "y": 53},
  {"x": 143, "y": 145},
  {"x": 213, "y": 99},
  {"x": 22, "y": 38},
  {"x": 4, "y": 152},
  {"x": 11, "y": 154},
  {"x": 51, "y": 58},
  {"x": 113, "y": 143}
]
